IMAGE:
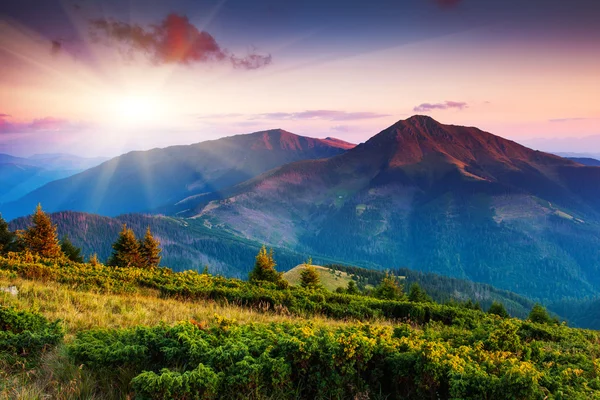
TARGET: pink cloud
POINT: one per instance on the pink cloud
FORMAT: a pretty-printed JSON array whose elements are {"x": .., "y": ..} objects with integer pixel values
[
  {"x": 173, "y": 41},
  {"x": 425, "y": 107},
  {"x": 329, "y": 115}
]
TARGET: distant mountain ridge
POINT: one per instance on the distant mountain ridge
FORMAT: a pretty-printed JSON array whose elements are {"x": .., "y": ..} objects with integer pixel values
[
  {"x": 19, "y": 175},
  {"x": 143, "y": 181}
]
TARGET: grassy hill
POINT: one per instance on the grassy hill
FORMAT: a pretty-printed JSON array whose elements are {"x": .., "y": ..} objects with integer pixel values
[
  {"x": 330, "y": 279},
  {"x": 83, "y": 331}
]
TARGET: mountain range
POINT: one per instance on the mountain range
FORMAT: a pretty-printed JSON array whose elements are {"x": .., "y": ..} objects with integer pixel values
[
  {"x": 19, "y": 175},
  {"x": 447, "y": 199},
  {"x": 143, "y": 181}
]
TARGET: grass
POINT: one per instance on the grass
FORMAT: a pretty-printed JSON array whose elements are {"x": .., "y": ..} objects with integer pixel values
[
  {"x": 87, "y": 310},
  {"x": 58, "y": 377},
  {"x": 330, "y": 279}
]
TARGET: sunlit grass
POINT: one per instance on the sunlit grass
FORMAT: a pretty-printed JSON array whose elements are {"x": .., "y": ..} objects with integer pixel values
[{"x": 87, "y": 310}]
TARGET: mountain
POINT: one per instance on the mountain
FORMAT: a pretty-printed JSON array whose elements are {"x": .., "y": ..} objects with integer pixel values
[
  {"x": 19, "y": 176},
  {"x": 447, "y": 199},
  {"x": 146, "y": 180},
  {"x": 590, "y": 162}
]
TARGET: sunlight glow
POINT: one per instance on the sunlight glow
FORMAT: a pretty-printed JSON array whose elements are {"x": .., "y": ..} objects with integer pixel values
[{"x": 137, "y": 109}]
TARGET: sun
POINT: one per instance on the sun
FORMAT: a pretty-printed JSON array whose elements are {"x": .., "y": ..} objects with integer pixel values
[{"x": 133, "y": 110}]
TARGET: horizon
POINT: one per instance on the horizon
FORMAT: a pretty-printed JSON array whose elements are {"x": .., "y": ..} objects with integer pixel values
[{"x": 107, "y": 77}]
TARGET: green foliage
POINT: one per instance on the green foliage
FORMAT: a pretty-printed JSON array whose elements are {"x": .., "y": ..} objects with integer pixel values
[
  {"x": 150, "y": 250},
  {"x": 7, "y": 238},
  {"x": 41, "y": 238},
  {"x": 126, "y": 250},
  {"x": 352, "y": 288},
  {"x": 418, "y": 295},
  {"x": 540, "y": 315},
  {"x": 389, "y": 288},
  {"x": 70, "y": 251},
  {"x": 264, "y": 269},
  {"x": 498, "y": 309},
  {"x": 495, "y": 360},
  {"x": 24, "y": 336},
  {"x": 309, "y": 277}
]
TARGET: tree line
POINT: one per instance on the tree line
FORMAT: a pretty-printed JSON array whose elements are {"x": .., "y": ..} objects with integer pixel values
[{"x": 41, "y": 239}]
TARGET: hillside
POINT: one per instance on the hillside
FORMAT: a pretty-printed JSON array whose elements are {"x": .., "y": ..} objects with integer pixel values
[
  {"x": 141, "y": 181},
  {"x": 447, "y": 199},
  {"x": 152, "y": 333},
  {"x": 330, "y": 279}
]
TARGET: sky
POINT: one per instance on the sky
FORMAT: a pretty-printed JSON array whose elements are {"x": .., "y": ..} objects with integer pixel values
[{"x": 100, "y": 78}]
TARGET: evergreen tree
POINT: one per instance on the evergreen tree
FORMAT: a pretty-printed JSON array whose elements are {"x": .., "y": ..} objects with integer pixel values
[
  {"x": 150, "y": 250},
  {"x": 264, "y": 268},
  {"x": 126, "y": 250},
  {"x": 41, "y": 237},
  {"x": 309, "y": 277},
  {"x": 205, "y": 270},
  {"x": 352, "y": 288},
  {"x": 539, "y": 314},
  {"x": 389, "y": 288},
  {"x": 418, "y": 295},
  {"x": 7, "y": 238},
  {"x": 498, "y": 309},
  {"x": 73, "y": 253}
]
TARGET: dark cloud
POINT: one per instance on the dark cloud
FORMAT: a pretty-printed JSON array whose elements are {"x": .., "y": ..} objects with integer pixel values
[
  {"x": 55, "y": 47},
  {"x": 174, "y": 41},
  {"x": 330, "y": 115},
  {"x": 459, "y": 105}
]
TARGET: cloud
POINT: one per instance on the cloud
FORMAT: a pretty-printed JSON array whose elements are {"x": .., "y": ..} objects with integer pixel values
[
  {"x": 558, "y": 120},
  {"x": 173, "y": 41},
  {"x": 38, "y": 125},
  {"x": 2, "y": 116},
  {"x": 340, "y": 128},
  {"x": 329, "y": 115},
  {"x": 425, "y": 107}
]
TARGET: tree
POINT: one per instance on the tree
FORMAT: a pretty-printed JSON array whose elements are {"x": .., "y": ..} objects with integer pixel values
[
  {"x": 539, "y": 314},
  {"x": 309, "y": 277},
  {"x": 150, "y": 250},
  {"x": 389, "y": 288},
  {"x": 126, "y": 250},
  {"x": 94, "y": 259},
  {"x": 352, "y": 288},
  {"x": 498, "y": 309},
  {"x": 418, "y": 295},
  {"x": 7, "y": 238},
  {"x": 73, "y": 253},
  {"x": 205, "y": 270},
  {"x": 41, "y": 237},
  {"x": 264, "y": 268}
]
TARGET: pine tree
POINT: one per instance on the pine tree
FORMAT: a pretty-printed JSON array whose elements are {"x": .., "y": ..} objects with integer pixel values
[
  {"x": 498, "y": 309},
  {"x": 352, "y": 288},
  {"x": 418, "y": 295},
  {"x": 7, "y": 238},
  {"x": 126, "y": 250},
  {"x": 264, "y": 268},
  {"x": 41, "y": 237},
  {"x": 389, "y": 288},
  {"x": 73, "y": 253},
  {"x": 309, "y": 277},
  {"x": 150, "y": 250}
]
